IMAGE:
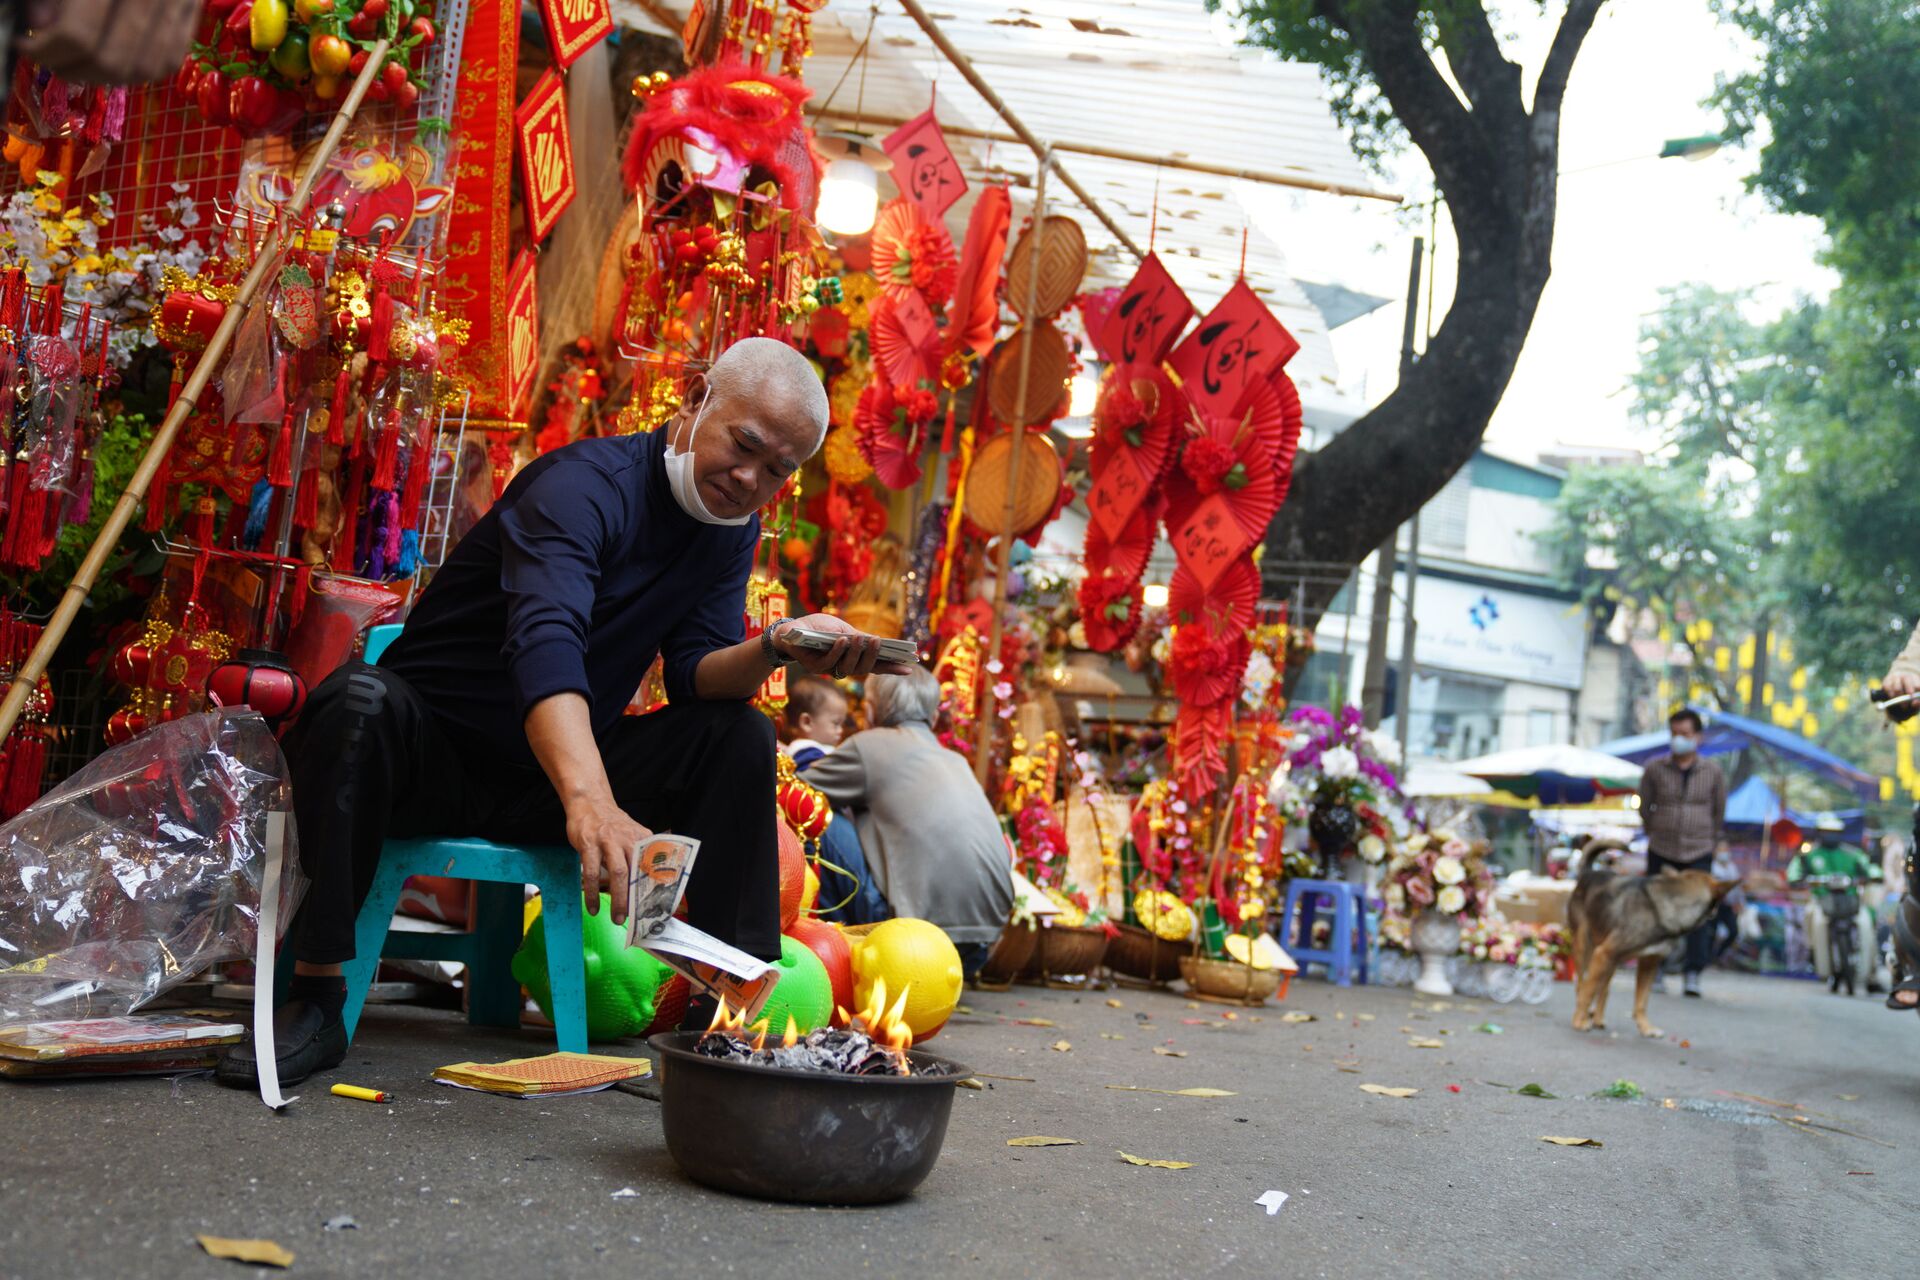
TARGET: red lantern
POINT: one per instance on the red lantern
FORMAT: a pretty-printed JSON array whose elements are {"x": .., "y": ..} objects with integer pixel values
[
  {"x": 260, "y": 679},
  {"x": 132, "y": 663}
]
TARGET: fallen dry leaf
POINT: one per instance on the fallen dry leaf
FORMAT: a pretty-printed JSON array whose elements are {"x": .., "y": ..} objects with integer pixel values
[
  {"x": 970, "y": 1084},
  {"x": 1115, "y": 1004},
  {"x": 1847, "y": 1097},
  {"x": 1201, "y": 1092},
  {"x": 963, "y": 1008},
  {"x": 1406, "y": 1031},
  {"x": 1033, "y": 1022},
  {"x": 1111, "y": 1035},
  {"x": 1169, "y": 1053},
  {"x": 1298, "y": 1017},
  {"x": 1388, "y": 1091},
  {"x": 1231, "y": 1016},
  {"x": 1669, "y": 1104},
  {"x": 1363, "y": 1017},
  {"x": 1573, "y": 1142},
  {"x": 1061, "y": 1046},
  {"x": 1192, "y": 1005},
  {"x": 1157, "y": 1164},
  {"x": 1426, "y": 1044},
  {"x": 1352, "y": 1071},
  {"x": 1039, "y": 1140},
  {"x": 266, "y": 1252}
]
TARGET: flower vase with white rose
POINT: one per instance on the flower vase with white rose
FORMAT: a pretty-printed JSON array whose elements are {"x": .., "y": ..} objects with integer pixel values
[
  {"x": 1338, "y": 782},
  {"x": 1436, "y": 884}
]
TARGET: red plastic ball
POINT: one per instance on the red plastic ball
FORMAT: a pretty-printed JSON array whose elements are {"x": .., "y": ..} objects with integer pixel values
[{"x": 262, "y": 680}]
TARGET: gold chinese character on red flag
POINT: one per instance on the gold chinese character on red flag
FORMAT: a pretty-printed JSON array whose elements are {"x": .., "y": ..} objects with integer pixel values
[
  {"x": 523, "y": 332},
  {"x": 575, "y": 26},
  {"x": 546, "y": 154}
]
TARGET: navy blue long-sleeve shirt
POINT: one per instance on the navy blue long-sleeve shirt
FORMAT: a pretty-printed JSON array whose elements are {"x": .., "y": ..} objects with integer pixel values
[{"x": 581, "y": 573}]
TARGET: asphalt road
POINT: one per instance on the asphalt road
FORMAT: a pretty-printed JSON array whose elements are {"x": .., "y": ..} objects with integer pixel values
[{"x": 115, "y": 1178}]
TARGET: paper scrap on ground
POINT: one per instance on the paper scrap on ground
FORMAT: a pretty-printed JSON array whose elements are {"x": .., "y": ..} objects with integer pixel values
[
  {"x": 1388, "y": 1091},
  {"x": 1176, "y": 1093},
  {"x": 1033, "y": 1022},
  {"x": 1115, "y": 1004},
  {"x": 1061, "y": 1046},
  {"x": 1298, "y": 1017},
  {"x": 1156, "y": 1164},
  {"x": 266, "y": 1252},
  {"x": 626, "y": 1193},
  {"x": 342, "y": 1222},
  {"x": 1165, "y": 1052},
  {"x": 1272, "y": 1201},
  {"x": 1573, "y": 1142},
  {"x": 1418, "y": 1043},
  {"x": 1040, "y": 1140}
]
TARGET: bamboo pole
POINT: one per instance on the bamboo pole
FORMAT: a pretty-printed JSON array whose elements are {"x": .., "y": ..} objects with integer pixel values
[
  {"x": 35, "y": 666},
  {"x": 989, "y": 703},
  {"x": 964, "y": 65},
  {"x": 1267, "y": 177}
]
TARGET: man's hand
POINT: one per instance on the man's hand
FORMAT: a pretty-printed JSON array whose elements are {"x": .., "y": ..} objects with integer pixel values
[
  {"x": 607, "y": 840},
  {"x": 855, "y": 654},
  {"x": 1900, "y": 685}
]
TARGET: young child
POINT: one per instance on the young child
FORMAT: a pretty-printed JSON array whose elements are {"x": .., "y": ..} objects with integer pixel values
[{"x": 816, "y": 719}]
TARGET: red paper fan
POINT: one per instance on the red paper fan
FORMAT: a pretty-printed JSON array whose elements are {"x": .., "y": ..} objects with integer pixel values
[
  {"x": 1230, "y": 600},
  {"x": 1292, "y": 416},
  {"x": 889, "y": 440},
  {"x": 904, "y": 340},
  {"x": 974, "y": 314},
  {"x": 1222, "y": 494},
  {"x": 1126, "y": 555},
  {"x": 1109, "y": 608},
  {"x": 912, "y": 253},
  {"x": 1206, "y": 661}
]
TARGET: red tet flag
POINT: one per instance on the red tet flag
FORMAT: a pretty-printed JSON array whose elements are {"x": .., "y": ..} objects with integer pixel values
[
  {"x": 523, "y": 333},
  {"x": 1237, "y": 344},
  {"x": 546, "y": 154},
  {"x": 1147, "y": 319},
  {"x": 575, "y": 26},
  {"x": 924, "y": 166}
]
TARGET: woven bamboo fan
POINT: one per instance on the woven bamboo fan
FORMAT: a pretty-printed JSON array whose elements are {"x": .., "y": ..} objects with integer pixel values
[
  {"x": 1063, "y": 264},
  {"x": 1046, "y": 380},
  {"x": 987, "y": 481}
]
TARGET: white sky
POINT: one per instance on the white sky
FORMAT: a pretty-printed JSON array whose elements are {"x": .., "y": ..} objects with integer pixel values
[{"x": 1625, "y": 230}]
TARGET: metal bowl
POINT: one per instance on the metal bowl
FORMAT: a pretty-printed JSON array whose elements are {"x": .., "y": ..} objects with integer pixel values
[{"x": 805, "y": 1136}]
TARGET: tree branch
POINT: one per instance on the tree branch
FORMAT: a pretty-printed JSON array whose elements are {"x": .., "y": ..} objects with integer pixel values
[
  {"x": 1491, "y": 82},
  {"x": 1551, "y": 88}
]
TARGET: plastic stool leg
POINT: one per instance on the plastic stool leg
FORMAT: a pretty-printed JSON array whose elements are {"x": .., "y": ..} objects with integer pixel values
[
  {"x": 566, "y": 959},
  {"x": 1342, "y": 965},
  {"x": 493, "y": 993},
  {"x": 370, "y": 934}
]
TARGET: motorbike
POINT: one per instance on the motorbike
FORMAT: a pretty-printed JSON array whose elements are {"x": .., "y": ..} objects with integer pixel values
[
  {"x": 1841, "y": 901},
  {"x": 1906, "y": 916}
]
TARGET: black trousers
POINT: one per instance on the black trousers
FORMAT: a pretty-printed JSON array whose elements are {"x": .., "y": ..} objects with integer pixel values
[
  {"x": 1698, "y": 954},
  {"x": 370, "y": 760}
]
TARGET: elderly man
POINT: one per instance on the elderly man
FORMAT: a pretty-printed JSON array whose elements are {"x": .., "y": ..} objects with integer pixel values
[{"x": 499, "y": 711}]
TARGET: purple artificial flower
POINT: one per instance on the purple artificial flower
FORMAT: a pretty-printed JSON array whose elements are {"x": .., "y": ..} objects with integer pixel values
[
  {"x": 1379, "y": 773},
  {"x": 1305, "y": 714}
]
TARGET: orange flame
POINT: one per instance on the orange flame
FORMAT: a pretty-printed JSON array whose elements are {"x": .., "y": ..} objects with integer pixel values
[
  {"x": 886, "y": 1024},
  {"x": 792, "y": 1035},
  {"x": 760, "y": 1040},
  {"x": 726, "y": 1021}
]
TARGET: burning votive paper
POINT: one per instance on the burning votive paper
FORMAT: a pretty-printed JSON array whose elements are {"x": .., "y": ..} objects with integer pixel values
[{"x": 656, "y": 881}]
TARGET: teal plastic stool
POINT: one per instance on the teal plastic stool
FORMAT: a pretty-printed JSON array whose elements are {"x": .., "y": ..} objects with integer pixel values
[{"x": 493, "y": 993}]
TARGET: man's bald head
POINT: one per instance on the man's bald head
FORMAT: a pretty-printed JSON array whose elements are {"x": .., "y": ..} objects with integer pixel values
[
  {"x": 768, "y": 371},
  {"x": 761, "y": 412}
]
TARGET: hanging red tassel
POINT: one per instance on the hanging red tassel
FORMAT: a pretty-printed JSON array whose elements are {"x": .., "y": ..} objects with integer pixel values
[
  {"x": 381, "y": 328},
  {"x": 200, "y": 523},
  {"x": 946, "y": 436},
  {"x": 22, "y": 544},
  {"x": 386, "y": 456},
  {"x": 419, "y": 463},
  {"x": 337, "y": 416},
  {"x": 280, "y": 461},
  {"x": 306, "y": 504}
]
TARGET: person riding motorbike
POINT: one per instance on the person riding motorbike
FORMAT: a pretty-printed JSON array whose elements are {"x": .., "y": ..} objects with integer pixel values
[
  {"x": 1834, "y": 872},
  {"x": 1899, "y": 694}
]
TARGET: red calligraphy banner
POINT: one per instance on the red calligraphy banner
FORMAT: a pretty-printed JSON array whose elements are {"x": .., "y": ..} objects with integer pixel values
[
  {"x": 546, "y": 154},
  {"x": 474, "y": 284},
  {"x": 575, "y": 26}
]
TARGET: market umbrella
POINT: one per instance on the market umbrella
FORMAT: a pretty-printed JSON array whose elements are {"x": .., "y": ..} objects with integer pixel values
[
  {"x": 1557, "y": 775},
  {"x": 1430, "y": 780}
]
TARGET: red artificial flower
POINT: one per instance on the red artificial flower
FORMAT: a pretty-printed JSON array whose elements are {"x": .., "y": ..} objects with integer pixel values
[
  {"x": 1207, "y": 462},
  {"x": 1109, "y": 609},
  {"x": 934, "y": 268}
]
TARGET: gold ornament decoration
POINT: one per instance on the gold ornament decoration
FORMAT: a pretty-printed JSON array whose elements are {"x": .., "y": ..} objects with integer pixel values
[
  {"x": 845, "y": 462},
  {"x": 1163, "y": 915}
]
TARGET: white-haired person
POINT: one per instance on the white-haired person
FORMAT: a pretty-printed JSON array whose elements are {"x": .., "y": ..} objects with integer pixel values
[
  {"x": 499, "y": 710},
  {"x": 932, "y": 841}
]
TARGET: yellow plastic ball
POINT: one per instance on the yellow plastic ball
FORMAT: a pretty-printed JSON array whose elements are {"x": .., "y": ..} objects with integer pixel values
[
  {"x": 809, "y": 891},
  {"x": 911, "y": 955}
]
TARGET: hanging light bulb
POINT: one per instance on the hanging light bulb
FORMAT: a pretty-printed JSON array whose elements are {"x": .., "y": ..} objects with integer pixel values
[
  {"x": 849, "y": 197},
  {"x": 850, "y": 187}
]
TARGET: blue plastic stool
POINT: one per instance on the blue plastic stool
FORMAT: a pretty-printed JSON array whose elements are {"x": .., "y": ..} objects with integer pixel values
[
  {"x": 493, "y": 994},
  {"x": 1349, "y": 933}
]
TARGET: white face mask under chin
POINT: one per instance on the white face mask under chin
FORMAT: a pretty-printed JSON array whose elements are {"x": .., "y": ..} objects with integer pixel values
[{"x": 680, "y": 478}]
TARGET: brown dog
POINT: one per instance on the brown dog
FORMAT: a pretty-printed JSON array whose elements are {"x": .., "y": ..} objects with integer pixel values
[{"x": 1615, "y": 917}]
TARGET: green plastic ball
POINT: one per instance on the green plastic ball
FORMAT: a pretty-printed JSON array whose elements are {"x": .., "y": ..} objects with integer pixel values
[
  {"x": 804, "y": 991},
  {"x": 623, "y": 983}
]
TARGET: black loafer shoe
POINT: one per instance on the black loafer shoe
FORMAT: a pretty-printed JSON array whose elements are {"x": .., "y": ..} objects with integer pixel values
[{"x": 305, "y": 1040}]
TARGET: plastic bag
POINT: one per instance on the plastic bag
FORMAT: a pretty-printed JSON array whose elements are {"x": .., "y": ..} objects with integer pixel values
[{"x": 143, "y": 869}]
